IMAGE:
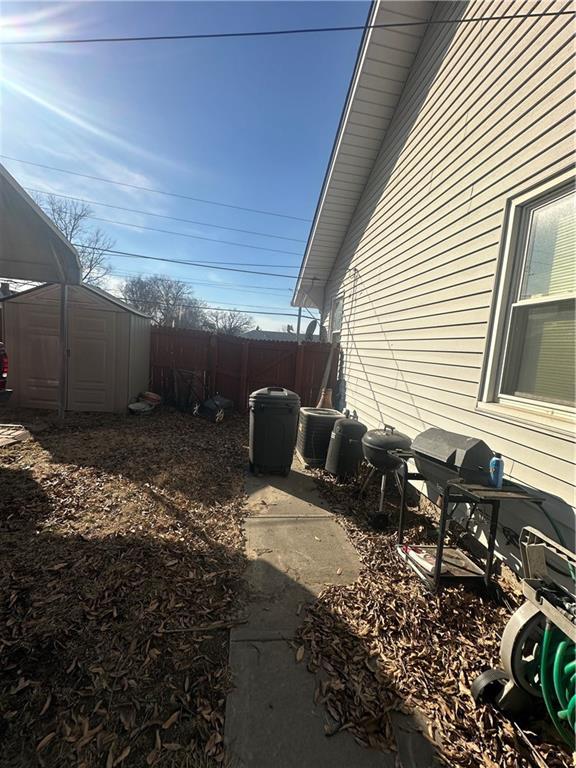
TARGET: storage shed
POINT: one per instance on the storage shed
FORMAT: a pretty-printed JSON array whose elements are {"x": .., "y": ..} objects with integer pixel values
[{"x": 108, "y": 349}]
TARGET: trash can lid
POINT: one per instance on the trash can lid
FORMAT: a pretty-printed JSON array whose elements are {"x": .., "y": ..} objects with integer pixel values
[{"x": 278, "y": 395}]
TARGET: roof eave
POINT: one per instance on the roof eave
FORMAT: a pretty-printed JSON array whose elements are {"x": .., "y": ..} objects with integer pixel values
[
  {"x": 390, "y": 74},
  {"x": 299, "y": 289}
]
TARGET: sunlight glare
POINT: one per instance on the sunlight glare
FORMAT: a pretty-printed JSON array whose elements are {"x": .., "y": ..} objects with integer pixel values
[{"x": 35, "y": 25}]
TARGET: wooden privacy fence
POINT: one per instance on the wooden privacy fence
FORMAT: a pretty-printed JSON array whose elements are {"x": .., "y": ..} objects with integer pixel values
[{"x": 191, "y": 365}]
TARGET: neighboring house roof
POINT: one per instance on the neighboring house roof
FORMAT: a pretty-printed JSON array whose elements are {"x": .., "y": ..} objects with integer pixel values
[
  {"x": 31, "y": 246},
  {"x": 89, "y": 288},
  {"x": 273, "y": 336},
  {"x": 384, "y": 61}
]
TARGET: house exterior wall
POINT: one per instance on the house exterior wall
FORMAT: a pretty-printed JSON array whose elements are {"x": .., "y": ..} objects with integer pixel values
[{"x": 484, "y": 120}]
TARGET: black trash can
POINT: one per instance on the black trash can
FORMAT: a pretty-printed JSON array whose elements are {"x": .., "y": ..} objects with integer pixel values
[
  {"x": 345, "y": 450},
  {"x": 314, "y": 432},
  {"x": 273, "y": 426}
]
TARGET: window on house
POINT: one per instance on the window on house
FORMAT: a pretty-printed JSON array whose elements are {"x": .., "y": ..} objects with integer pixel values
[
  {"x": 538, "y": 358},
  {"x": 336, "y": 318}
]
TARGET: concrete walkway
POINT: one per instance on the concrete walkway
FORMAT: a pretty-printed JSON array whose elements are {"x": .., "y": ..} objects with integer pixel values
[{"x": 294, "y": 547}]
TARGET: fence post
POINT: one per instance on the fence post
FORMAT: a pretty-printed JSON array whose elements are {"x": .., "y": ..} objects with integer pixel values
[
  {"x": 213, "y": 363},
  {"x": 298, "y": 369},
  {"x": 244, "y": 376}
]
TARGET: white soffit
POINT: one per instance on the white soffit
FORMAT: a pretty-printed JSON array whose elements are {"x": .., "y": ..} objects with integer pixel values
[
  {"x": 382, "y": 68},
  {"x": 31, "y": 246}
]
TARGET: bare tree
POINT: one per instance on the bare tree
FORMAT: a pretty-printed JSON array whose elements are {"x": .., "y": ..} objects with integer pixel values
[
  {"x": 70, "y": 216},
  {"x": 230, "y": 321},
  {"x": 171, "y": 303}
]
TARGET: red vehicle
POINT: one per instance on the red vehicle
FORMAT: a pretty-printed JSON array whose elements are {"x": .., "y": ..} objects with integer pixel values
[{"x": 4, "y": 391}]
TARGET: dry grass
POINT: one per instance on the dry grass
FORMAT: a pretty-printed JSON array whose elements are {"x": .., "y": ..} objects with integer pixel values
[
  {"x": 120, "y": 569},
  {"x": 384, "y": 644}
]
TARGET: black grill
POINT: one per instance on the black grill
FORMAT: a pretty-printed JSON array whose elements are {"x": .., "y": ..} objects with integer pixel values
[{"x": 441, "y": 456}]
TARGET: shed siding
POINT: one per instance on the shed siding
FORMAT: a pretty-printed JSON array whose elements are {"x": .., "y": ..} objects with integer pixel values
[
  {"x": 108, "y": 350},
  {"x": 484, "y": 120}
]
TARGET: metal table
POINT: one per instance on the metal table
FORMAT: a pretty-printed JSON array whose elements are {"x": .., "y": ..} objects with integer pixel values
[{"x": 451, "y": 564}]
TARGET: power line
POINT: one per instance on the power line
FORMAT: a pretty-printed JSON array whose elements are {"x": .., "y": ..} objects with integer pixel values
[
  {"x": 131, "y": 255},
  {"x": 164, "y": 216},
  {"x": 217, "y": 309},
  {"x": 196, "y": 237},
  {"x": 229, "y": 304},
  {"x": 202, "y": 263},
  {"x": 255, "y": 308},
  {"x": 281, "y": 32},
  {"x": 155, "y": 191},
  {"x": 209, "y": 263},
  {"x": 230, "y": 286}
]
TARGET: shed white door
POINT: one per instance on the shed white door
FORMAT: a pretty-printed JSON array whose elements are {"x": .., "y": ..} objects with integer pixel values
[
  {"x": 91, "y": 370},
  {"x": 38, "y": 364}
]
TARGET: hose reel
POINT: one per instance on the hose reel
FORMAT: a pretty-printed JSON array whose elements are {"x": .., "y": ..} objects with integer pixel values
[{"x": 538, "y": 644}]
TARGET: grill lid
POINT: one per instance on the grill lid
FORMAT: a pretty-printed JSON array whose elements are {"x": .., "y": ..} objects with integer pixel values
[
  {"x": 385, "y": 440},
  {"x": 452, "y": 449}
]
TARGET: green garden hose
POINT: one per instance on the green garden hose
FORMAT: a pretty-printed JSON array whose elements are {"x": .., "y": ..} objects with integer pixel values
[{"x": 558, "y": 681}]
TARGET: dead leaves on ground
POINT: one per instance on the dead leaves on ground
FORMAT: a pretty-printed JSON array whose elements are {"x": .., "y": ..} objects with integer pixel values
[
  {"x": 384, "y": 645},
  {"x": 120, "y": 565}
]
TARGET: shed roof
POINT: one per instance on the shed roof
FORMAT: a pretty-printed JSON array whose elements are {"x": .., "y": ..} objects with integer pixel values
[
  {"x": 384, "y": 61},
  {"x": 31, "y": 246},
  {"x": 98, "y": 292}
]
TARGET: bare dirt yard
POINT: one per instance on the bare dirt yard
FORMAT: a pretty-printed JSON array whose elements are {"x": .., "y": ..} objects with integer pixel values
[{"x": 121, "y": 556}]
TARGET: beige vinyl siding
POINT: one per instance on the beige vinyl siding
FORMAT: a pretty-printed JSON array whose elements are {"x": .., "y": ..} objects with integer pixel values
[
  {"x": 108, "y": 350},
  {"x": 486, "y": 113}
]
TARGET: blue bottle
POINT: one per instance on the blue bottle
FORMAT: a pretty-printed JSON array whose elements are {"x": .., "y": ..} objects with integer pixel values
[{"x": 496, "y": 470}]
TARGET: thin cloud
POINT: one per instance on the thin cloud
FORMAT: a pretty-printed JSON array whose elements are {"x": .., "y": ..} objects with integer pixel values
[{"x": 12, "y": 83}]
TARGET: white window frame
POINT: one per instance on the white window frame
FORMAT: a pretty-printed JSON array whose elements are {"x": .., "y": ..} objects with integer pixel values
[
  {"x": 508, "y": 276},
  {"x": 332, "y": 330}
]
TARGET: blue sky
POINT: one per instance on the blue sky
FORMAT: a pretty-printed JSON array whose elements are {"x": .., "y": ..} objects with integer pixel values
[{"x": 247, "y": 121}]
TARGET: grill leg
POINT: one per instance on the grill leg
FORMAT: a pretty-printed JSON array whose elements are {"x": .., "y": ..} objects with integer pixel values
[
  {"x": 401, "y": 519},
  {"x": 491, "y": 542},
  {"x": 382, "y": 493},
  {"x": 398, "y": 482},
  {"x": 366, "y": 482},
  {"x": 441, "y": 536}
]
